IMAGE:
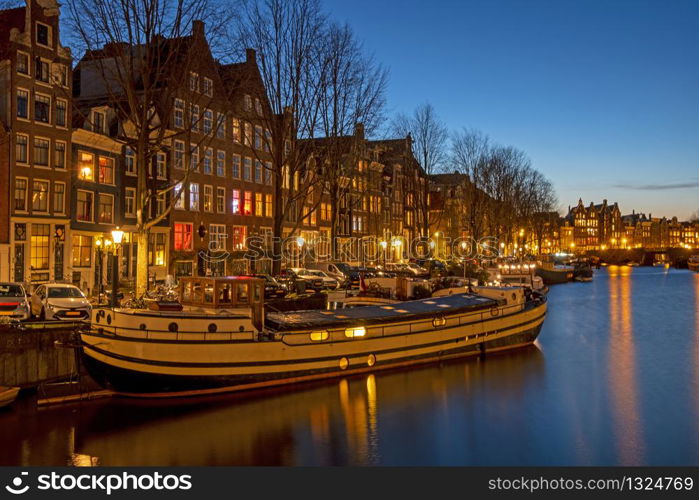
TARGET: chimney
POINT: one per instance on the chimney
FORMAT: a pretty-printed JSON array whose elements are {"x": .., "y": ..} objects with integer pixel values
[
  {"x": 605, "y": 201},
  {"x": 250, "y": 56},
  {"x": 198, "y": 28},
  {"x": 633, "y": 211},
  {"x": 359, "y": 131}
]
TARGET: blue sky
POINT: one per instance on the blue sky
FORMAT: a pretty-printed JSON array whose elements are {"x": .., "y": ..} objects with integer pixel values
[{"x": 602, "y": 95}]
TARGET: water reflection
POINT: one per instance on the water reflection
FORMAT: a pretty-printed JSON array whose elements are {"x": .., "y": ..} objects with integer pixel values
[
  {"x": 622, "y": 368},
  {"x": 614, "y": 379}
]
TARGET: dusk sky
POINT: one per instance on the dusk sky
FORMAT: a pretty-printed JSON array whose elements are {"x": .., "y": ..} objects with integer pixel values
[{"x": 602, "y": 95}]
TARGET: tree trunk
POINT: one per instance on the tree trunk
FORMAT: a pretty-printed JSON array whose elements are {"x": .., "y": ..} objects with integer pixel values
[{"x": 142, "y": 262}]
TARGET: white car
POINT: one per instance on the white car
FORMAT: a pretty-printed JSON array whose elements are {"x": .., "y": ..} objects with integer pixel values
[
  {"x": 329, "y": 282},
  {"x": 14, "y": 303},
  {"x": 60, "y": 301}
]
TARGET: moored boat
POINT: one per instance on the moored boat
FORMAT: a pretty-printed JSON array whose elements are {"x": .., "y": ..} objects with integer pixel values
[
  {"x": 693, "y": 263},
  {"x": 553, "y": 273},
  {"x": 218, "y": 343},
  {"x": 8, "y": 395}
]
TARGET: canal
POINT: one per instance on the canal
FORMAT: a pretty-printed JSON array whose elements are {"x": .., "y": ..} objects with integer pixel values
[{"x": 612, "y": 380}]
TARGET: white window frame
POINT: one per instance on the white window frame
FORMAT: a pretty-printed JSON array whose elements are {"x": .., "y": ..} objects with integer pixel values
[
  {"x": 130, "y": 193},
  {"x": 50, "y": 107},
  {"x": 55, "y": 150},
  {"x": 26, "y": 195},
  {"x": 194, "y": 196},
  {"x": 48, "y": 196},
  {"x": 208, "y": 193},
  {"x": 129, "y": 159},
  {"x": 36, "y": 34},
  {"x": 26, "y": 153},
  {"x": 220, "y": 196},
  {"x": 221, "y": 162},
  {"x": 48, "y": 155},
  {"x": 63, "y": 209}
]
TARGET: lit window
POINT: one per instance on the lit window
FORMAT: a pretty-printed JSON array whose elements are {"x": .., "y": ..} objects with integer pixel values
[
  {"x": 319, "y": 336},
  {"x": 358, "y": 331},
  {"x": 86, "y": 165},
  {"x": 247, "y": 203},
  {"x": 183, "y": 236},
  {"x": 193, "y": 196},
  {"x": 106, "y": 170},
  {"x": 236, "y": 201}
]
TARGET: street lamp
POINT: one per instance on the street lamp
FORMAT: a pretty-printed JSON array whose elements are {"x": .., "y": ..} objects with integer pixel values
[
  {"x": 117, "y": 236},
  {"x": 299, "y": 243},
  {"x": 384, "y": 245},
  {"x": 103, "y": 245}
]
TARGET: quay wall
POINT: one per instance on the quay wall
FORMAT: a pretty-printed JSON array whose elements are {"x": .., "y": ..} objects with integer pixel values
[{"x": 29, "y": 354}]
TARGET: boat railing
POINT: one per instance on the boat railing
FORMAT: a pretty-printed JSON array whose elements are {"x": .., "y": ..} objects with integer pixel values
[
  {"x": 148, "y": 334},
  {"x": 437, "y": 322}
]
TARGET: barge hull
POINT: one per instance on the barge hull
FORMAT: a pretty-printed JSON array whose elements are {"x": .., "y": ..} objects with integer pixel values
[{"x": 135, "y": 383}]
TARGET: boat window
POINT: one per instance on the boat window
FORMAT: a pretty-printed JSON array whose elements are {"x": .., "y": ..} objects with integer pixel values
[
  {"x": 242, "y": 293},
  {"x": 196, "y": 291},
  {"x": 225, "y": 293},
  {"x": 209, "y": 292},
  {"x": 187, "y": 291},
  {"x": 358, "y": 331},
  {"x": 319, "y": 336}
]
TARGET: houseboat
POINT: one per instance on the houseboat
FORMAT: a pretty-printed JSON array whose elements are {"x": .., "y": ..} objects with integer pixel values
[
  {"x": 553, "y": 273},
  {"x": 693, "y": 263},
  {"x": 221, "y": 340}
]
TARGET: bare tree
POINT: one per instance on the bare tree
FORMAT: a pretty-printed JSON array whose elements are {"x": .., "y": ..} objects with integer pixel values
[
  {"x": 543, "y": 202},
  {"x": 351, "y": 104},
  {"x": 429, "y": 136},
  {"x": 135, "y": 54},
  {"x": 470, "y": 151},
  {"x": 287, "y": 36}
]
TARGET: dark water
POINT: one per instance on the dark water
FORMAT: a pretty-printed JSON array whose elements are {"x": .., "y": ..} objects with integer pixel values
[{"x": 613, "y": 380}]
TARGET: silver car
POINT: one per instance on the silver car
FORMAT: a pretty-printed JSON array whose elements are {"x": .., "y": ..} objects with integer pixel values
[
  {"x": 60, "y": 301},
  {"x": 14, "y": 303}
]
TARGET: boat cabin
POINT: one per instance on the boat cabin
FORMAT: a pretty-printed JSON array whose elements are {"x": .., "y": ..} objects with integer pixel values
[{"x": 229, "y": 292}]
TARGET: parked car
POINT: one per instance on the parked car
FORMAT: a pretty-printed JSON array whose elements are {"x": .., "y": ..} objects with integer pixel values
[
  {"x": 59, "y": 301},
  {"x": 337, "y": 270},
  {"x": 295, "y": 282},
  {"x": 14, "y": 302},
  {"x": 329, "y": 283},
  {"x": 273, "y": 289},
  {"x": 431, "y": 266}
]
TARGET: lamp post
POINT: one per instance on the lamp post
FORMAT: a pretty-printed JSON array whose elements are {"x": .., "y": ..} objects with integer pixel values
[
  {"x": 98, "y": 285},
  {"x": 384, "y": 244},
  {"x": 299, "y": 243},
  {"x": 103, "y": 245},
  {"x": 117, "y": 236}
]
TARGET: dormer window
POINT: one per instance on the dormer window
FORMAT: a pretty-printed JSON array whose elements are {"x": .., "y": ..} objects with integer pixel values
[
  {"x": 208, "y": 87},
  {"x": 43, "y": 34},
  {"x": 98, "y": 122},
  {"x": 248, "y": 102}
]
